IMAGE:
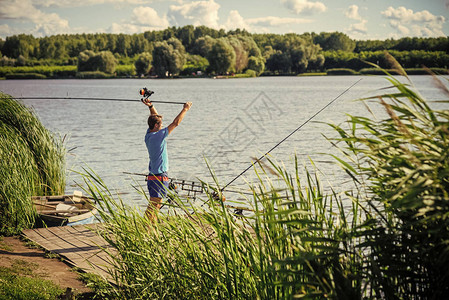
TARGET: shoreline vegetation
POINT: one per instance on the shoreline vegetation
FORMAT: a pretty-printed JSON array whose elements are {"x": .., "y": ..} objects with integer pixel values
[
  {"x": 70, "y": 72},
  {"x": 386, "y": 238},
  {"x": 184, "y": 52}
]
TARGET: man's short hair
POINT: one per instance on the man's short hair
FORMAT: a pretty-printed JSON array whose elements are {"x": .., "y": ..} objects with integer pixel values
[{"x": 153, "y": 120}]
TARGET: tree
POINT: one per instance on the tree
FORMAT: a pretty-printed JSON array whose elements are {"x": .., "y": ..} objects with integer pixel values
[
  {"x": 123, "y": 44},
  {"x": 279, "y": 62},
  {"x": 143, "y": 63},
  {"x": 168, "y": 57},
  {"x": 139, "y": 44},
  {"x": 241, "y": 55},
  {"x": 17, "y": 45},
  {"x": 203, "y": 45},
  {"x": 334, "y": 41},
  {"x": 201, "y": 31},
  {"x": 47, "y": 48},
  {"x": 256, "y": 63},
  {"x": 106, "y": 62},
  {"x": 187, "y": 37},
  {"x": 316, "y": 63},
  {"x": 221, "y": 57},
  {"x": 103, "y": 61}
]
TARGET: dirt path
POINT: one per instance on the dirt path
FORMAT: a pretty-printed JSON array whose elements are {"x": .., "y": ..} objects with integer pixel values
[{"x": 12, "y": 249}]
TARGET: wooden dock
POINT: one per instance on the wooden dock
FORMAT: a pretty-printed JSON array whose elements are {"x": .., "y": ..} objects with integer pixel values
[{"x": 79, "y": 245}]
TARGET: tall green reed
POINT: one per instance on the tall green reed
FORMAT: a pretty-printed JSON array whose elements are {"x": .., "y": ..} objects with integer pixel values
[
  {"x": 209, "y": 252},
  {"x": 401, "y": 165},
  {"x": 32, "y": 163}
]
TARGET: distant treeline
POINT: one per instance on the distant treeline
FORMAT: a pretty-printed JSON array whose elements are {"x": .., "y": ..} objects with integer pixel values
[{"x": 201, "y": 50}]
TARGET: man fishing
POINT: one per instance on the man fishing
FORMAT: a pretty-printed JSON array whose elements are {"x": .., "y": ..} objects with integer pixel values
[{"x": 155, "y": 140}]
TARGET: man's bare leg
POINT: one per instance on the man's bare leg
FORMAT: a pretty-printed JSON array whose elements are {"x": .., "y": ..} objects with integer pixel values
[{"x": 153, "y": 209}]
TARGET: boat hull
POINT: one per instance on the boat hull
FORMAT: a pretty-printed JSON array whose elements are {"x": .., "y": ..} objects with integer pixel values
[{"x": 66, "y": 210}]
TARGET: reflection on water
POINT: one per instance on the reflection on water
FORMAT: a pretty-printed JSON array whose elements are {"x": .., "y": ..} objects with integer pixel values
[{"x": 231, "y": 122}]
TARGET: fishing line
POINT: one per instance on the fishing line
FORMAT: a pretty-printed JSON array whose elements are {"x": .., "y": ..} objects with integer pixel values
[
  {"x": 283, "y": 140},
  {"x": 93, "y": 99}
]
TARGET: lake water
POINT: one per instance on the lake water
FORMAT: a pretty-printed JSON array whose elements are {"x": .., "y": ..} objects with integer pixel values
[{"x": 231, "y": 122}]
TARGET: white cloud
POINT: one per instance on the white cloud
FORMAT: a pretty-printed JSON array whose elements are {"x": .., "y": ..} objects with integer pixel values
[
  {"x": 125, "y": 28},
  {"x": 5, "y": 31},
  {"x": 353, "y": 13},
  {"x": 276, "y": 21},
  {"x": 80, "y": 3},
  {"x": 421, "y": 23},
  {"x": 195, "y": 13},
  {"x": 263, "y": 24},
  {"x": 24, "y": 10},
  {"x": 358, "y": 28},
  {"x": 148, "y": 16},
  {"x": 144, "y": 19},
  {"x": 305, "y": 7},
  {"x": 235, "y": 20}
]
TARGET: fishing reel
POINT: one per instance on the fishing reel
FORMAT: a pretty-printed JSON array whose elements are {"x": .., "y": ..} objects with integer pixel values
[{"x": 146, "y": 92}]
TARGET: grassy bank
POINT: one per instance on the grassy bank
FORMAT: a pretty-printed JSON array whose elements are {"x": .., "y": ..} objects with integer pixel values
[
  {"x": 32, "y": 162},
  {"x": 385, "y": 239}
]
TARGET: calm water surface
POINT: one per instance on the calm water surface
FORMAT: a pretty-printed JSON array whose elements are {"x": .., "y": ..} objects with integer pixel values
[{"x": 231, "y": 122}]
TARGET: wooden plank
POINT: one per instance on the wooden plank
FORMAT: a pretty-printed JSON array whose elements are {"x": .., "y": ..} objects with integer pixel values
[
  {"x": 47, "y": 239},
  {"x": 79, "y": 245},
  {"x": 65, "y": 247},
  {"x": 89, "y": 242}
]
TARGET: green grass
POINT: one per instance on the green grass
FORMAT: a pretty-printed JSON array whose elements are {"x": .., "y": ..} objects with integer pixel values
[{"x": 21, "y": 281}]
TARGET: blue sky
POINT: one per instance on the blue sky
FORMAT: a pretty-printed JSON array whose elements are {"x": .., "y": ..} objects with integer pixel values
[{"x": 360, "y": 19}]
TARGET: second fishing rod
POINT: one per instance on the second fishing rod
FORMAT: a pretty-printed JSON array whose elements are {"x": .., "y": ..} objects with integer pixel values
[{"x": 221, "y": 190}]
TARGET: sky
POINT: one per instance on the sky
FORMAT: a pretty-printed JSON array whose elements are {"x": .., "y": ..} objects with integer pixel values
[{"x": 359, "y": 19}]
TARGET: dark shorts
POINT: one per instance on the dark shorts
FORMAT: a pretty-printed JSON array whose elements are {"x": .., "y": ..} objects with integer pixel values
[{"x": 157, "y": 185}]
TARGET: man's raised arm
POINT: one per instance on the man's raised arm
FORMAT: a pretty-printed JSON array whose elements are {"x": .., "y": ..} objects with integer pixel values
[
  {"x": 150, "y": 105},
  {"x": 179, "y": 117}
]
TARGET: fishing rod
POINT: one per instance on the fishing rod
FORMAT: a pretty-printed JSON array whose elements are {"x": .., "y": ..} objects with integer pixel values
[
  {"x": 92, "y": 99},
  {"x": 289, "y": 135},
  {"x": 146, "y": 93}
]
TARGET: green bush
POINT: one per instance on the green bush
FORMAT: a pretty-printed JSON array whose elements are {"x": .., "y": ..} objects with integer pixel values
[
  {"x": 125, "y": 70},
  {"x": 92, "y": 75},
  {"x": 25, "y": 76},
  {"x": 341, "y": 71},
  {"x": 376, "y": 71},
  {"x": 251, "y": 73}
]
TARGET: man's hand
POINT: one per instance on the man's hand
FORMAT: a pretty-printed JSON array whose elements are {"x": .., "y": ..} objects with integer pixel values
[
  {"x": 187, "y": 106},
  {"x": 147, "y": 102}
]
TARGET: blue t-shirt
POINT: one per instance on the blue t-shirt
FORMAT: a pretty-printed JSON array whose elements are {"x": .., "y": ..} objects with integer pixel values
[{"x": 157, "y": 149}]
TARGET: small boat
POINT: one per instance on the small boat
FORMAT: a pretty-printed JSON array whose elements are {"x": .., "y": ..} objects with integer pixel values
[{"x": 65, "y": 210}]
